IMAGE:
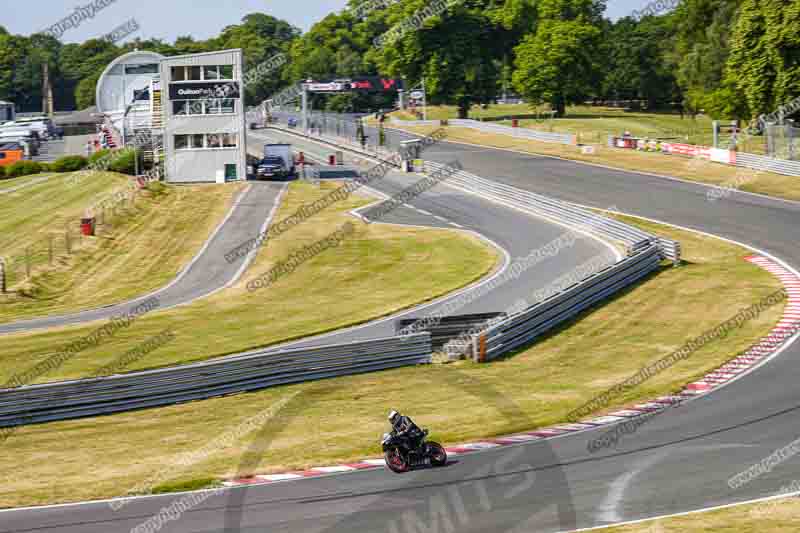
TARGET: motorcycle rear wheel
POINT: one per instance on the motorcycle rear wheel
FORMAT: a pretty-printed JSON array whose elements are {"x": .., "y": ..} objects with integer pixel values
[
  {"x": 438, "y": 454},
  {"x": 395, "y": 461}
]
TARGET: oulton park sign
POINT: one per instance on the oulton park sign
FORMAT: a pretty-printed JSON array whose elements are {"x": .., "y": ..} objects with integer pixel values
[{"x": 198, "y": 90}]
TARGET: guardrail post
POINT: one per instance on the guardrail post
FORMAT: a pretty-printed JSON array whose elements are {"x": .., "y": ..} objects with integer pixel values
[{"x": 482, "y": 348}]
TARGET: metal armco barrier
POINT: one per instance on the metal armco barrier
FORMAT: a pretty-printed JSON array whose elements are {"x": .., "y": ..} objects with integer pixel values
[
  {"x": 768, "y": 164},
  {"x": 230, "y": 375},
  {"x": 521, "y": 329},
  {"x": 525, "y": 133},
  {"x": 562, "y": 212},
  {"x": 447, "y": 328}
]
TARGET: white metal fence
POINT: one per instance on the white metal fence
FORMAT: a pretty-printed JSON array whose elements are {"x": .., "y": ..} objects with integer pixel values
[{"x": 488, "y": 127}]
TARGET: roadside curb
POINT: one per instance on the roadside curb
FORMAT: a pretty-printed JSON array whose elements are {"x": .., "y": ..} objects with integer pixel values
[{"x": 766, "y": 347}]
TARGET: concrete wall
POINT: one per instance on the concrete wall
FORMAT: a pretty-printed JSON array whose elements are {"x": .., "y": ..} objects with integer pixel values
[{"x": 203, "y": 165}]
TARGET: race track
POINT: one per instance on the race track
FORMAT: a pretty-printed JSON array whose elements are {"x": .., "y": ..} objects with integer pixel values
[{"x": 205, "y": 274}]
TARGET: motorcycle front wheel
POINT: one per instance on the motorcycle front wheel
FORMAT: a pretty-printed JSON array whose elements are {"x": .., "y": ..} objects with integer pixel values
[
  {"x": 438, "y": 454},
  {"x": 396, "y": 461}
]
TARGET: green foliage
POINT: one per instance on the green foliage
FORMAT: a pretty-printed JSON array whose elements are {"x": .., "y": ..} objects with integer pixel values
[
  {"x": 69, "y": 163},
  {"x": 75, "y": 68},
  {"x": 558, "y": 64},
  {"x": 2, "y": 172},
  {"x": 638, "y": 61},
  {"x": 764, "y": 61},
  {"x": 729, "y": 58},
  {"x": 124, "y": 162},
  {"x": 23, "y": 168},
  {"x": 97, "y": 156},
  {"x": 459, "y": 54}
]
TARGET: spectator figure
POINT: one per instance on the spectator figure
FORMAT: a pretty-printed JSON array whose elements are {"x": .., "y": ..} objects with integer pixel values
[{"x": 89, "y": 148}]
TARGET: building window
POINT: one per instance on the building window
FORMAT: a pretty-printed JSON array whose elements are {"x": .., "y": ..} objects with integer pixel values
[
  {"x": 180, "y": 107},
  {"x": 213, "y": 140},
  {"x": 178, "y": 73},
  {"x": 211, "y": 72},
  {"x": 199, "y": 73},
  {"x": 201, "y": 141},
  {"x": 212, "y": 106},
  {"x": 229, "y": 140},
  {"x": 209, "y": 106},
  {"x": 228, "y": 106},
  {"x": 151, "y": 68}
]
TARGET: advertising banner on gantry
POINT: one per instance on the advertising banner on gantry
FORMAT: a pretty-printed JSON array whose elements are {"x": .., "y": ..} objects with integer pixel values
[{"x": 366, "y": 84}]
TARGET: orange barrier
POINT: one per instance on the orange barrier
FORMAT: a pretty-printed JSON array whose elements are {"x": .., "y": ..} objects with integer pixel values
[{"x": 9, "y": 157}]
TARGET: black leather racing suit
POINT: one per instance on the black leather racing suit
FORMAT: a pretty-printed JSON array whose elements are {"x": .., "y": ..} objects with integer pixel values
[{"x": 405, "y": 428}]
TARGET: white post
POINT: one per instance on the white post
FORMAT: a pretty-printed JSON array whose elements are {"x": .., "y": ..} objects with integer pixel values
[
  {"x": 305, "y": 110},
  {"x": 424, "y": 100}
]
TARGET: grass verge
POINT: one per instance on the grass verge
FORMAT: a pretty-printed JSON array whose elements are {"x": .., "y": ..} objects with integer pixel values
[
  {"x": 341, "y": 419},
  {"x": 138, "y": 248},
  {"x": 9, "y": 183},
  {"x": 680, "y": 167},
  {"x": 378, "y": 271},
  {"x": 595, "y": 123},
  {"x": 774, "y": 516}
]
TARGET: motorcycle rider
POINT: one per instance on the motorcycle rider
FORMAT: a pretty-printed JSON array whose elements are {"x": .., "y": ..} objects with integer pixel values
[{"x": 404, "y": 427}]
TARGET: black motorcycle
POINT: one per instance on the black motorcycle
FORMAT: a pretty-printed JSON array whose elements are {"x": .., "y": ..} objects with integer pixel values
[{"x": 401, "y": 456}]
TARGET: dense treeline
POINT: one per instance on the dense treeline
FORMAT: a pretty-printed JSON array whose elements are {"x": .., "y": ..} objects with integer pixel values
[
  {"x": 75, "y": 68},
  {"x": 729, "y": 58}
]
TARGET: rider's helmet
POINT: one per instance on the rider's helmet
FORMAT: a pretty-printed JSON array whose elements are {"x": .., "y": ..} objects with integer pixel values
[{"x": 393, "y": 416}]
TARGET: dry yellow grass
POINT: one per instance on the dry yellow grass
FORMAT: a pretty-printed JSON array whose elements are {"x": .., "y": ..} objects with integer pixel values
[
  {"x": 136, "y": 250},
  {"x": 337, "y": 420},
  {"x": 701, "y": 171},
  {"x": 378, "y": 271}
]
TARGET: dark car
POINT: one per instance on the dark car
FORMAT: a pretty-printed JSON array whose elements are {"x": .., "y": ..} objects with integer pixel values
[{"x": 271, "y": 167}]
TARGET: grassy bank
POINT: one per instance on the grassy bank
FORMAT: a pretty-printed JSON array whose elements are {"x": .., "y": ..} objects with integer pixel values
[
  {"x": 680, "y": 167},
  {"x": 8, "y": 183},
  {"x": 381, "y": 269},
  {"x": 138, "y": 247},
  {"x": 338, "y": 420}
]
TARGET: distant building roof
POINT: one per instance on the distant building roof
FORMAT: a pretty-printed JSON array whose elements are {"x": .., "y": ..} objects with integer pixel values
[{"x": 85, "y": 116}]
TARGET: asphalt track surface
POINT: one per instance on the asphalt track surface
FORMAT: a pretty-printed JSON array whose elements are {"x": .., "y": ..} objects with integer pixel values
[
  {"x": 513, "y": 232},
  {"x": 677, "y": 462},
  {"x": 206, "y": 273}
]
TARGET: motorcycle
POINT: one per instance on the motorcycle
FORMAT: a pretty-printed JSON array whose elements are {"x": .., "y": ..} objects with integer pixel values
[{"x": 401, "y": 456}]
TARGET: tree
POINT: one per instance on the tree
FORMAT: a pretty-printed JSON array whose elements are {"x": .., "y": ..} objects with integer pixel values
[
  {"x": 764, "y": 62},
  {"x": 458, "y": 53},
  {"x": 81, "y": 67},
  {"x": 702, "y": 31},
  {"x": 638, "y": 64},
  {"x": 557, "y": 64}
]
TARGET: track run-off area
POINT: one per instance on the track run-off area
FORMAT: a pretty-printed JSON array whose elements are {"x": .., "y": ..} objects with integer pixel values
[{"x": 679, "y": 461}]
